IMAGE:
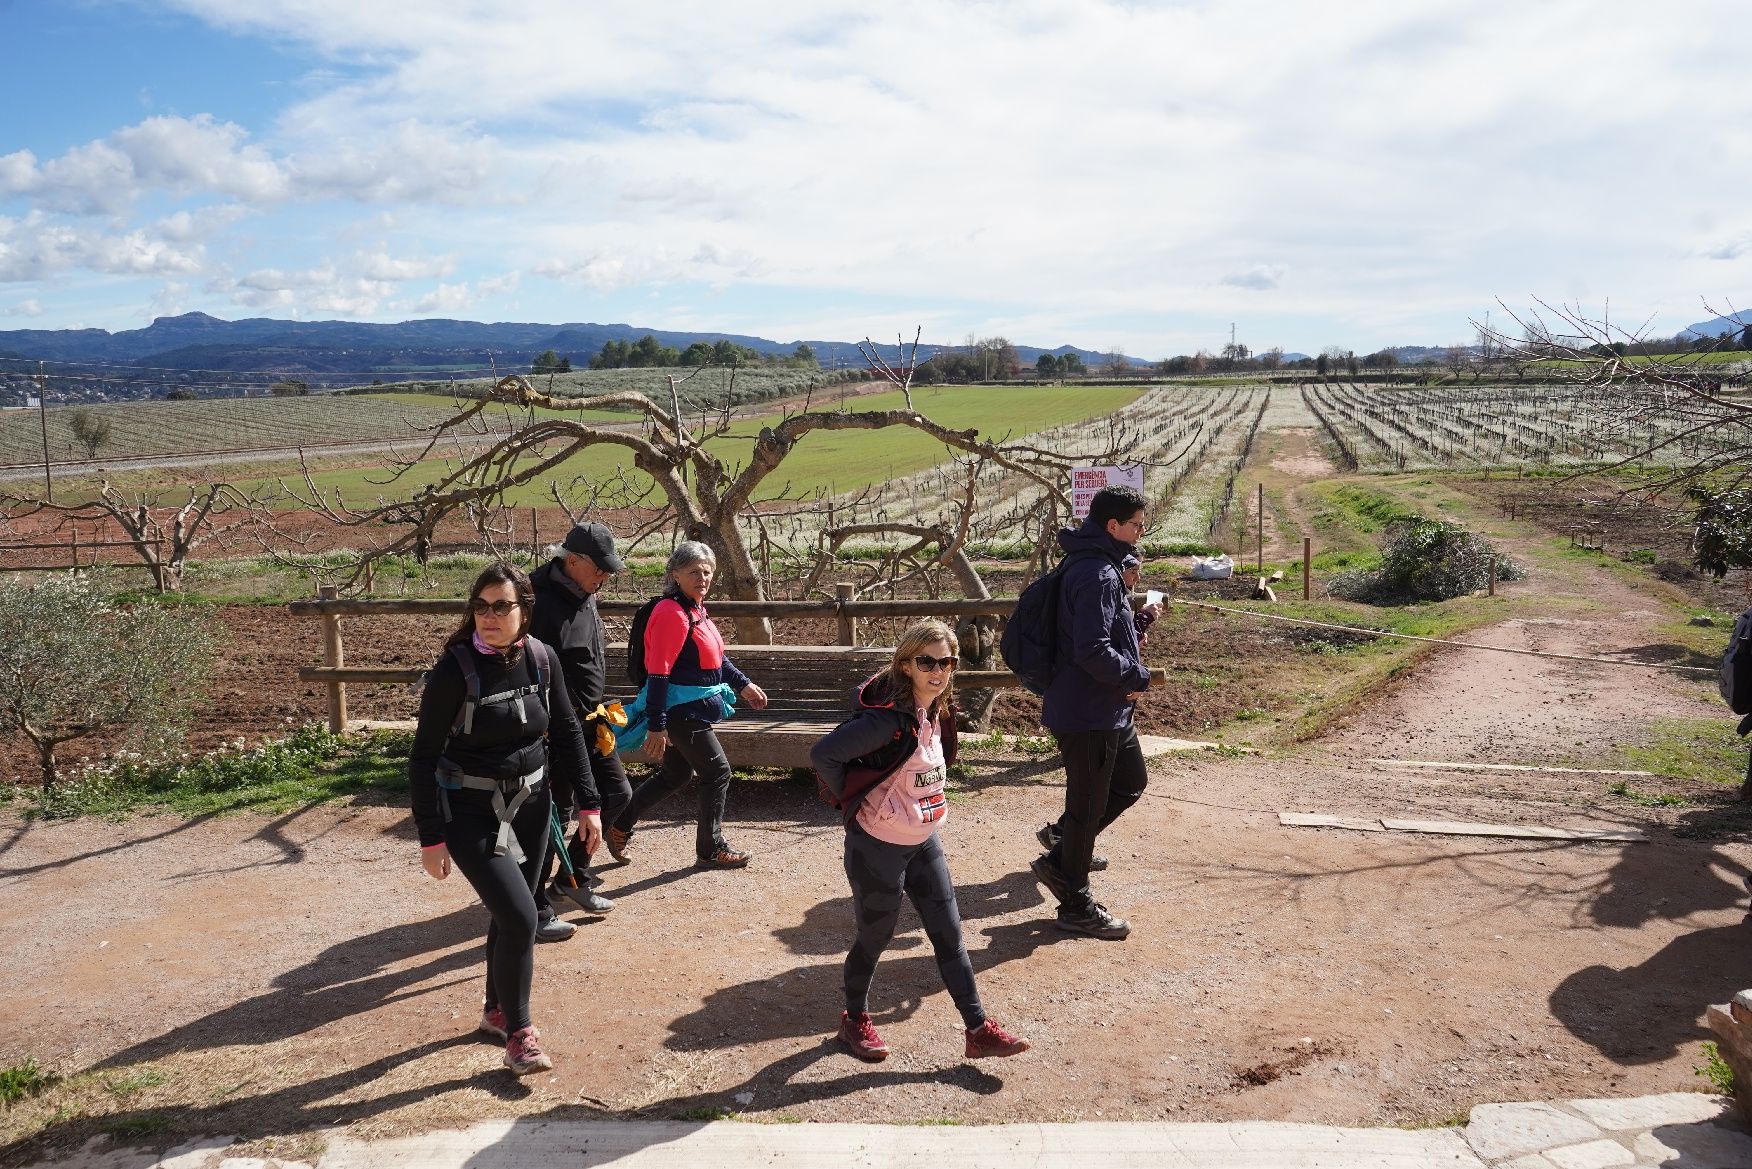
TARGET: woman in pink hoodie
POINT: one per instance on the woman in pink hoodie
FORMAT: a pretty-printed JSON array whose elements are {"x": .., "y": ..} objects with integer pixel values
[{"x": 886, "y": 766}]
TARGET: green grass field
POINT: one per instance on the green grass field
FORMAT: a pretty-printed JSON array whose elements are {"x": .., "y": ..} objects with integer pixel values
[{"x": 833, "y": 461}]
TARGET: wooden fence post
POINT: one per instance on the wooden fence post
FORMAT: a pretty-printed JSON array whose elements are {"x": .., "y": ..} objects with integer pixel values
[
  {"x": 848, "y": 624},
  {"x": 333, "y": 655},
  {"x": 1307, "y": 567},
  {"x": 1260, "y": 524},
  {"x": 1493, "y": 574}
]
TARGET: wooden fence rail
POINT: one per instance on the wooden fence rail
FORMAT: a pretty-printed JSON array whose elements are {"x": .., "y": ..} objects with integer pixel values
[
  {"x": 71, "y": 547},
  {"x": 334, "y": 673}
]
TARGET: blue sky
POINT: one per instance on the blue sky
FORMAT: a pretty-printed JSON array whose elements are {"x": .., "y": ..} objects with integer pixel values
[{"x": 1111, "y": 175}]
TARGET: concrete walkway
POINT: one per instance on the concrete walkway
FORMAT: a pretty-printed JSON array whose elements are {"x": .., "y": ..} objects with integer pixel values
[{"x": 1681, "y": 1131}]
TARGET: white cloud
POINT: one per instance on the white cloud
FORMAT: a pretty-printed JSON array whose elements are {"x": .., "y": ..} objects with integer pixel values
[
  {"x": 1259, "y": 278},
  {"x": 34, "y": 249},
  {"x": 24, "y": 308},
  {"x": 382, "y": 266},
  {"x": 199, "y": 223},
  {"x": 1120, "y": 167},
  {"x": 310, "y": 292},
  {"x": 444, "y": 300}
]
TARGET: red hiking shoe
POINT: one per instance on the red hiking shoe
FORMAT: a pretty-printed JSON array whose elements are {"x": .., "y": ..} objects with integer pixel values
[
  {"x": 858, "y": 1033},
  {"x": 493, "y": 1023},
  {"x": 990, "y": 1039},
  {"x": 523, "y": 1053}
]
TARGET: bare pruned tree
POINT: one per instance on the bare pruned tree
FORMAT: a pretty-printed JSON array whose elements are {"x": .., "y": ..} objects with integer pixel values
[
  {"x": 703, "y": 496},
  {"x": 1666, "y": 416},
  {"x": 162, "y": 534}
]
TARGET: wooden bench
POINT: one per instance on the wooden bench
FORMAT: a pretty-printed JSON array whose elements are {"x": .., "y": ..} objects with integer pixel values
[{"x": 809, "y": 691}]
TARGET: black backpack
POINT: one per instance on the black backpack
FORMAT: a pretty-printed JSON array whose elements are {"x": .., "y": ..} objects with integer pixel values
[
  {"x": 636, "y": 673},
  {"x": 1735, "y": 683},
  {"x": 1030, "y": 641}
]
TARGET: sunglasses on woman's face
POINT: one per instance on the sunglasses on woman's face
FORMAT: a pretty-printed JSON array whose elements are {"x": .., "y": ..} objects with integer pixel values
[
  {"x": 496, "y": 608},
  {"x": 930, "y": 664}
]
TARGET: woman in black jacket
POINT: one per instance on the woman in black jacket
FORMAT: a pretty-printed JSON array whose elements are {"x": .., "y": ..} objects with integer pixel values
[
  {"x": 887, "y": 767},
  {"x": 495, "y": 726}
]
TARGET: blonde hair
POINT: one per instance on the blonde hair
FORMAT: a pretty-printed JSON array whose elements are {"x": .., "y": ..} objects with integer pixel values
[{"x": 911, "y": 643}]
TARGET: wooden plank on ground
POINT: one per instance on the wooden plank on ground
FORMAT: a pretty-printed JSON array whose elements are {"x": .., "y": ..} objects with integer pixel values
[
  {"x": 1316, "y": 820},
  {"x": 1442, "y": 765},
  {"x": 1520, "y": 831}
]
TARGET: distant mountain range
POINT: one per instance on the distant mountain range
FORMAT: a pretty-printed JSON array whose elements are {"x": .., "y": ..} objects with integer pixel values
[
  {"x": 1717, "y": 326},
  {"x": 344, "y": 352}
]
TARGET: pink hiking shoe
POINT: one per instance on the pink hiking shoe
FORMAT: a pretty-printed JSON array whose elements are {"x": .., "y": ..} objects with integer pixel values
[
  {"x": 493, "y": 1023},
  {"x": 523, "y": 1053},
  {"x": 858, "y": 1033},
  {"x": 990, "y": 1039}
]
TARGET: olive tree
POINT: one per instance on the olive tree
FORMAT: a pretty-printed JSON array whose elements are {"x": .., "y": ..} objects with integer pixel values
[
  {"x": 91, "y": 431},
  {"x": 74, "y": 662}
]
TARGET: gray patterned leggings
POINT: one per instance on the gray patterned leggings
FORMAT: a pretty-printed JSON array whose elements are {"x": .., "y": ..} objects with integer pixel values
[{"x": 880, "y": 873}]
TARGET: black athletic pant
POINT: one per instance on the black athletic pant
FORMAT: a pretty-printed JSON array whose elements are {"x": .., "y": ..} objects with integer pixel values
[
  {"x": 693, "y": 750},
  {"x": 880, "y": 873},
  {"x": 1104, "y": 775},
  {"x": 616, "y": 793},
  {"x": 507, "y": 889}
]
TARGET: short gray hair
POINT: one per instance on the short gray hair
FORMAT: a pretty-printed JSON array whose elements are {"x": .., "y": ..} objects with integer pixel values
[{"x": 689, "y": 552}]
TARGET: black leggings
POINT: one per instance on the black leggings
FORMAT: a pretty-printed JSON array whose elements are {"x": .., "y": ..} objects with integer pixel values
[
  {"x": 879, "y": 873},
  {"x": 507, "y": 889},
  {"x": 693, "y": 750}
]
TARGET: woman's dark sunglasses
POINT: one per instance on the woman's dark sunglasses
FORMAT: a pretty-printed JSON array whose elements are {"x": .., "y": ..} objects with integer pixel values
[
  {"x": 930, "y": 664},
  {"x": 496, "y": 608}
]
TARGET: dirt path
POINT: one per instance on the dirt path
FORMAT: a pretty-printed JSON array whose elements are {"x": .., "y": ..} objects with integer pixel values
[
  {"x": 266, "y": 978},
  {"x": 280, "y": 975}
]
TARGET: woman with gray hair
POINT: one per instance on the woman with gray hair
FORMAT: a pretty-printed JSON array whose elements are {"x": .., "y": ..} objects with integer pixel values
[{"x": 687, "y": 679}]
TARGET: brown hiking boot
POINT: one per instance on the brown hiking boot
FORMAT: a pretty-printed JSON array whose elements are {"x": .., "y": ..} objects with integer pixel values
[{"x": 617, "y": 842}]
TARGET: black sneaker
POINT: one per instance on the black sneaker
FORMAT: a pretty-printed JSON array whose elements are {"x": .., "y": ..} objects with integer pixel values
[
  {"x": 1094, "y": 922},
  {"x": 1049, "y": 877},
  {"x": 1049, "y": 835}
]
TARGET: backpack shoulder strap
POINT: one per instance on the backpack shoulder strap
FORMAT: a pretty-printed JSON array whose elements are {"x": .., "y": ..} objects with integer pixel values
[
  {"x": 471, "y": 696},
  {"x": 542, "y": 658}
]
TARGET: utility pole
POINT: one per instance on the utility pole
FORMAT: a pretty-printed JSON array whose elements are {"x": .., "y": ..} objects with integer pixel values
[{"x": 43, "y": 417}]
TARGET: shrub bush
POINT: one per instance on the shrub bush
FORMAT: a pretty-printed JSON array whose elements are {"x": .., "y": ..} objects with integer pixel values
[{"x": 1424, "y": 560}]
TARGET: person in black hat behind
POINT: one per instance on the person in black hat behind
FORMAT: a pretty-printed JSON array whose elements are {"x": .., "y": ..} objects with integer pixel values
[{"x": 566, "y": 619}]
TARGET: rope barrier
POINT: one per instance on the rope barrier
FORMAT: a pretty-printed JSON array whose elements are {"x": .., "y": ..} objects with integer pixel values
[{"x": 1502, "y": 649}]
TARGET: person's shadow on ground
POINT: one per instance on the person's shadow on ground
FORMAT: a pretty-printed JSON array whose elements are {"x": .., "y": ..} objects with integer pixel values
[{"x": 347, "y": 980}]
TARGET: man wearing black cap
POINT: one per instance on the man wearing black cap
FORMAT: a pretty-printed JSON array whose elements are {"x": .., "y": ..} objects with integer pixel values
[{"x": 566, "y": 619}]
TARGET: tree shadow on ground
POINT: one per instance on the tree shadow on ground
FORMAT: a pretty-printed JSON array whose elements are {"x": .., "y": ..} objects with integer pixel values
[
  {"x": 1647, "y": 1012},
  {"x": 299, "y": 1109},
  {"x": 121, "y": 845},
  {"x": 1667, "y": 653}
]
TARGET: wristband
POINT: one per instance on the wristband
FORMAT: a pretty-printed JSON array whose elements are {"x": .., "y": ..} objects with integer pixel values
[{"x": 430, "y": 847}]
